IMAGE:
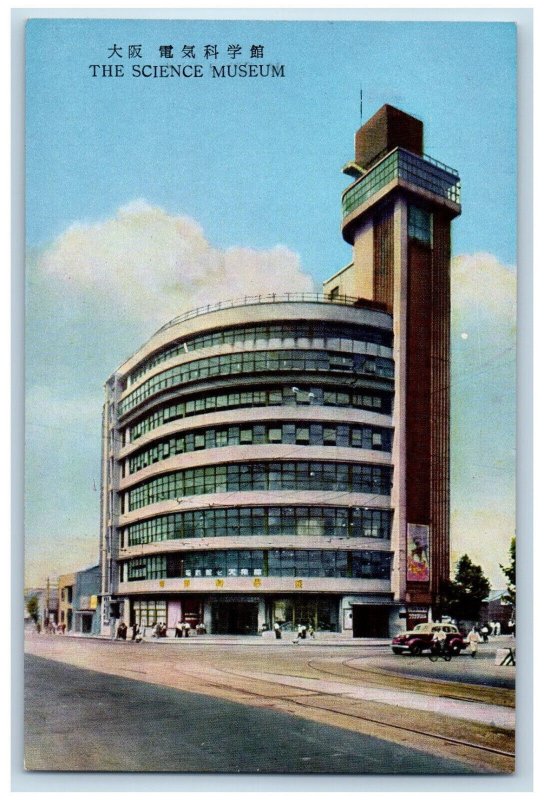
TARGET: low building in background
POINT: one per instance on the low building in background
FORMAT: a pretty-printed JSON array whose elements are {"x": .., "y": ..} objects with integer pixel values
[
  {"x": 496, "y": 608},
  {"x": 66, "y": 586},
  {"x": 78, "y": 601},
  {"x": 47, "y": 605}
]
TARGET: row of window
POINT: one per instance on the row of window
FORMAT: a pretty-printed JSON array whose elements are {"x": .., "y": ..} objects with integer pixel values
[
  {"x": 260, "y": 361},
  {"x": 321, "y": 612},
  {"x": 148, "y": 612},
  {"x": 330, "y": 334},
  {"x": 264, "y": 476},
  {"x": 429, "y": 176},
  {"x": 380, "y": 176},
  {"x": 409, "y": 167},
  {"x": 152, "y": 568},
  {"x": 262, "y": 521},
  {"x": 361, "y": 436},
  {"x": 282, "y": 396},
  {"x": 265, "y": 563}
]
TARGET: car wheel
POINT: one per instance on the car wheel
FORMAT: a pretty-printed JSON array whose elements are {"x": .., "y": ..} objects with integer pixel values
[
  {"x": 416, "y": 649},
  {"x": 455, "y": 650},
  {"x": 396, "y": 651}
]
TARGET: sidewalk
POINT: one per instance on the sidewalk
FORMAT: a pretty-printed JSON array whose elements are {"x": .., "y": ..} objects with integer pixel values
[
  {"x": 253, "y": 641},
  {"x": 323, "y": 640}
]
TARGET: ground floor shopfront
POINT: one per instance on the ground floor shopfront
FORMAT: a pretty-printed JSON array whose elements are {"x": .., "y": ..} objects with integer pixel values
[{"x": 240, "y": 614}]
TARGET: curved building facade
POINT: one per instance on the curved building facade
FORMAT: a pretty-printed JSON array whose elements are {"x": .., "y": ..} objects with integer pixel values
[
  {"x": 249, "y": 467},
  {"x": 285, "y": 459}
]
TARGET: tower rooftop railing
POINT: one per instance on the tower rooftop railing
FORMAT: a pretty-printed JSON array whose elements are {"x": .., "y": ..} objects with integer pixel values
[
  {"x": 423, "y": 172},
  {"x": 274, "y": 297}
]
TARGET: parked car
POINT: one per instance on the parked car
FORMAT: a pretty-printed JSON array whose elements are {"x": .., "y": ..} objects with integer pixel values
[{"x": 420, "y": 638}]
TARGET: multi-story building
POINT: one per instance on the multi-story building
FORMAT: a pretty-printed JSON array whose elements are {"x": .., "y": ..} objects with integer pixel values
[
  {"x": 285, "y": 458},
  {"x": 66, "y": 585},
  {"x": 78, "y": 600}
]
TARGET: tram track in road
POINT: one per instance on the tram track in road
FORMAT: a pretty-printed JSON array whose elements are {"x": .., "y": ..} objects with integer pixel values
[
  {"x": 323, "y": 706},
  {"x": 476, "y": 743},
  {"x": 423, "y": 684}
]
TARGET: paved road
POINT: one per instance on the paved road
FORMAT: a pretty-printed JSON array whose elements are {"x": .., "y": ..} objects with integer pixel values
[
  {"x": 461, "y": 669},
  {"x": 77, "y": 719}
]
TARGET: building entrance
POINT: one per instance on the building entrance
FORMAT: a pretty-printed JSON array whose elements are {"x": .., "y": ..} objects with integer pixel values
[
  {"x": 370, "y": 622},
  {"x": 86, "y": 623},
  {"x": 235, "y": 618}
]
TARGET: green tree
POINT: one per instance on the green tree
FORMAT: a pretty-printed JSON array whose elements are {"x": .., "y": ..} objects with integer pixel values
[
  {"x": 462, "y": 598},
  {"x": 510, "y": 573},
  {"x": 33, "y": 608}
]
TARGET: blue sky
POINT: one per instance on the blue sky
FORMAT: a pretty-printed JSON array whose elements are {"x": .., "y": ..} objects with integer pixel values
[{"x": 251, "y": 167}]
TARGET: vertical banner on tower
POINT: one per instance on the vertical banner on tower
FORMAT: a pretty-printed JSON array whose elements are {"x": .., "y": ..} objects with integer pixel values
[{"x": 418, "y": 559}]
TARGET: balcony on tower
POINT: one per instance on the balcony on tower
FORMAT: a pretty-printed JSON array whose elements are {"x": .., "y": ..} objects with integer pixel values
[{"x": 389, "y": 156}]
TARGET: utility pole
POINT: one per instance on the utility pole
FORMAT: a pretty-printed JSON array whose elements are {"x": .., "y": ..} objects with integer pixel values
[{"x": 47, "y": 597}]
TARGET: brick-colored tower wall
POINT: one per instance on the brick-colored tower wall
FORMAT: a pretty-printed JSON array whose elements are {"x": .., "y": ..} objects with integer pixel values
[
  {"x": 440, "y": 399},
  {"x": 418, "y": 385},
  {"x": 384, "y": 257},
  {"x": 428, "y": 393}
]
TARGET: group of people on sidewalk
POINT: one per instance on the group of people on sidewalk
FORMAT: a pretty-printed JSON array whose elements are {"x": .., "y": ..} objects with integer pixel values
[
  {"x": 51, "y": 627},
  {"x": 489, "y": 629},
  {"x": 159, "y": 631},
  {"x": 303, "y": 631},
  {"x": 123, "y": 632},
  {"x": 182, "y": 629}
]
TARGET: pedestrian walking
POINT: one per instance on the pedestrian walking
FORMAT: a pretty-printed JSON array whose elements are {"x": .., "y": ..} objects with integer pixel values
[
  {"x": 178, "y": 631},
  {"x": 473, "y": 639},
  {"x": 485, "y": 632},
  {"x": 301, "y": 634},
  {"x": 277, "y": 630}
]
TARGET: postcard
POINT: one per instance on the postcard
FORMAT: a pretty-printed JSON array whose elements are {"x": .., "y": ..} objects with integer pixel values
[{"x": 270, "y": 505}]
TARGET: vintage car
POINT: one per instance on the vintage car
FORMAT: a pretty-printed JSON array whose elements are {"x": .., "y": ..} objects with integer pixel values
[{"x": 420, "y": 638}]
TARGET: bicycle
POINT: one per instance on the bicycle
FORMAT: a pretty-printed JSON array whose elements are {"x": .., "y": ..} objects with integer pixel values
[{"x": 439, "y": 651}]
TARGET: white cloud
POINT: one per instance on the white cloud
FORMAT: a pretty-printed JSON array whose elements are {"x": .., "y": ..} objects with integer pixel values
[
  {"x": 483, "y": 410},
  {"x": 482, "y": 289},
  {"x": 149, "y": 265}
]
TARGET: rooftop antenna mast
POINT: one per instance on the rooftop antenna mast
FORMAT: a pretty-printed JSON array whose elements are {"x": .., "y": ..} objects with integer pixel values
[{"x": 361, "y": 104}]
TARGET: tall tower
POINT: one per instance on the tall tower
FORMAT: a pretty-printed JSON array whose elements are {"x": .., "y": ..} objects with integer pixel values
[{"x": 397, "y": 215}]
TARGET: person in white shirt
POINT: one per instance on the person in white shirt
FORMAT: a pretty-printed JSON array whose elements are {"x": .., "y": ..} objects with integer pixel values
[{"x": 473, "y": 640}]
